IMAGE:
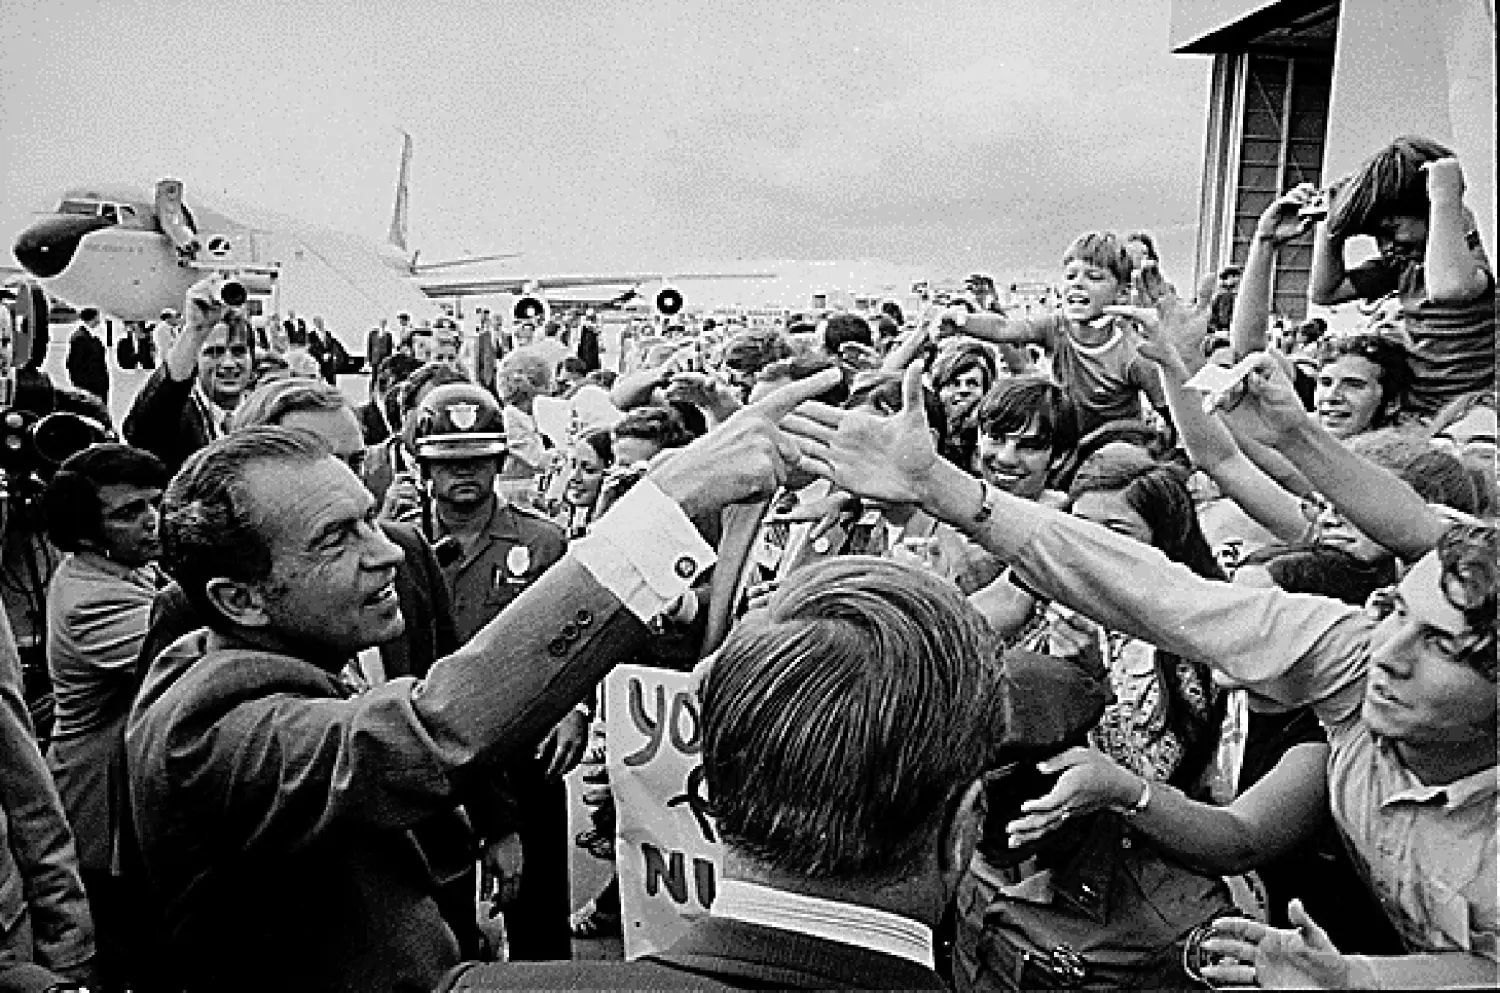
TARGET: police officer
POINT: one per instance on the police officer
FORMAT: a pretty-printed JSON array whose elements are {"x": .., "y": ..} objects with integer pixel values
[{"x": 494, "y": 551}]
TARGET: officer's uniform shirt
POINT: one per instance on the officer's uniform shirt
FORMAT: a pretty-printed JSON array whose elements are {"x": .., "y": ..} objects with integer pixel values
[{"x": 516, "y": 547}]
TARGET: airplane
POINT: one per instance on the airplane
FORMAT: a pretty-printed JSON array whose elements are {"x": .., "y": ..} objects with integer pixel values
[{"x": 107, "y": 246}]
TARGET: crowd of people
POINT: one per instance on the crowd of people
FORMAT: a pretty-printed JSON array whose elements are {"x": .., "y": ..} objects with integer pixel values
[{"x": 1148, "y": 643}]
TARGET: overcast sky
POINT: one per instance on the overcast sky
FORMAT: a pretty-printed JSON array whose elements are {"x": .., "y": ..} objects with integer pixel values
[{"x": 955, "y": 135}]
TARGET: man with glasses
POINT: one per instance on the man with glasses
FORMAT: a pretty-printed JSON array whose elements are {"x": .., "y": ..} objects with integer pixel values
[{"x": 187, "y": 401}]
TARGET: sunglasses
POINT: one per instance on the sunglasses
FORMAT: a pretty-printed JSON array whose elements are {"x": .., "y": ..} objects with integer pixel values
[{"x": 217, "y": 351}]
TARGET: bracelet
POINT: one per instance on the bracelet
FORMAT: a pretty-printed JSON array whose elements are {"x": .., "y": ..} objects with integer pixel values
[{"x": 1142, "y": 803}]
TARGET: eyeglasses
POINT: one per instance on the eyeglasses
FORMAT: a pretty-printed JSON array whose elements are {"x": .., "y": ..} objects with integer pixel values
[{"x": 237, "y": 351}]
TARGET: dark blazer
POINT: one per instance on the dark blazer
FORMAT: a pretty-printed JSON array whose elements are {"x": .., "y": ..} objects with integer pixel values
[
  {"x": 372, "y": 423},
  {"x": 273, "y": 810},
  {"x": 165, "y": 421},
  {"x": 86, "y": 364},
  {"x": 715, "y": 954}
]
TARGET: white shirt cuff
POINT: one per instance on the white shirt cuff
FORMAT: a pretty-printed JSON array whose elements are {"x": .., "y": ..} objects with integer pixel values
[{"x": 645, "y": 551}]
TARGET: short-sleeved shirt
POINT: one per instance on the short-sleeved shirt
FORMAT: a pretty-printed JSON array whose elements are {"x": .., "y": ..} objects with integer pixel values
[
  {"x": 1454, "y": 344},
  {"x": 515, "y": 548},
  {"x": 1104, "y": 381}
]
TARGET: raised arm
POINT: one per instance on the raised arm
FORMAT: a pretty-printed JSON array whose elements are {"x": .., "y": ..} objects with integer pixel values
[
  {"x": 1279, "y": 224},
  {"x": 1452, "y": 272},
  {"x": 1370, "y": 497},
  {"x": 1328, "y": 283},
  {"x": 1208, "y": 442},
  {"x": 995, "y": 328},
  {"x": 1308, "y": 646}
]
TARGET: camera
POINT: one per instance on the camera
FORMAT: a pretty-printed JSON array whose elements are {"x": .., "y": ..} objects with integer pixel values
[{"x": 1315, "y": 209}]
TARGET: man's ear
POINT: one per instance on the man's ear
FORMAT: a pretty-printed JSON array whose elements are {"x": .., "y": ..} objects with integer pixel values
[{"x": 240, "y": 603}]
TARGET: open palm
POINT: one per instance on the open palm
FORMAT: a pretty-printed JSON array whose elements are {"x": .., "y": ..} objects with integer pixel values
[{"x": 889, "y": 459}]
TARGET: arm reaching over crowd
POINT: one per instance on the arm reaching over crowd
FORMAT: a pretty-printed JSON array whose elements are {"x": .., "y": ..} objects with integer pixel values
[{"x": 1209, "y": 443}]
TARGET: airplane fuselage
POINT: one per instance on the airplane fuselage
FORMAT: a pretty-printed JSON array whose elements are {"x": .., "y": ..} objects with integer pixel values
[{"x": 133, "y": 275}]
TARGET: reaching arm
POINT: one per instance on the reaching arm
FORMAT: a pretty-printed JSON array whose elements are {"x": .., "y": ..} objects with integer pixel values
[
  {"x": 1328, "y": 283},
  {"x": 1271, "y": 818},
  {"x": 1295, "y": 649},
  {"x": 998, "y": 330},
  {"x": 1303, "y": 957},
  {"x": 1452, "y": 272},
  {"x": 1279, "y": 224},
  {"x": 1208, "y": 442},
  {"x": 1390, "y": 512}
]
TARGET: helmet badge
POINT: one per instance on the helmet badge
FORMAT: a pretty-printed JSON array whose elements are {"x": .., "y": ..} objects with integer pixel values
[{"x": 464, "y": 415}]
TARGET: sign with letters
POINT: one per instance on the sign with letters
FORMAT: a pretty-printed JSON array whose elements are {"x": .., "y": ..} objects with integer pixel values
[{"x": 667, "y": 848}]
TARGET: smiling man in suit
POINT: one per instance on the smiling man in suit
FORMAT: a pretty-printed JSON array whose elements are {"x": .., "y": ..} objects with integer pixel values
[{"x": 845, "y": 730}]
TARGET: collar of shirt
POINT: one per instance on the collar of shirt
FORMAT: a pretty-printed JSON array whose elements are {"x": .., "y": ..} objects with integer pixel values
[
  {"x": 217, "y": 416},
  {"x": 831, "y": 920},
  {"x": 1476, "y": 786}
]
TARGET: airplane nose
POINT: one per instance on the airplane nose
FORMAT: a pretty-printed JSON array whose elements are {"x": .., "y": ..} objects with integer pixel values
[{"x": 46, "y": 247}]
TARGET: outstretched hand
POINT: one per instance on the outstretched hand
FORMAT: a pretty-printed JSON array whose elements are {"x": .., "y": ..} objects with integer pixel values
[
  {"x": 745, "y": 457},
  {"x": 1302, "y": 957},
  {"x": 1167, "y": 327},
  {"x": 878, "y": 458},
  {"x": 1271, "y": 408},
  {"x": 1090, "y": 781}
]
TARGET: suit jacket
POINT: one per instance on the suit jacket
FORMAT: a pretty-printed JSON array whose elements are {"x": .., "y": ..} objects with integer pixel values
[
  {"x": 486, "y": 359},
  {"x": 38, "y": 864},
  {"x": 165, "y": 420},
  {"x": 716, "y": 953},
  {"x": 273, "y": 810},
  {"x": 372, "y": 423},
  {"x": 429, "y": 636}
]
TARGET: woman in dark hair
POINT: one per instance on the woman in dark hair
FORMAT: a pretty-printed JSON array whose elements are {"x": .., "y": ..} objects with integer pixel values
[
  {"x": 962, "y": 375},
  {"x": 101, "y": 508},
  {"x": 1409, "y": 197},
  {"x": 1161, "y": 725},
  {"x": 646, "y": 431},
  {"x": 590, "y": 459}
]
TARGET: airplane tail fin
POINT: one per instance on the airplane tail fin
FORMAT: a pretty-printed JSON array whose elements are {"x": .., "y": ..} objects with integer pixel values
[{"x": 397, "y": 236}]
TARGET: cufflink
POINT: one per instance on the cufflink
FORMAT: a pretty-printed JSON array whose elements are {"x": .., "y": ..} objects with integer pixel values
[{"x": 685, "y": 568}]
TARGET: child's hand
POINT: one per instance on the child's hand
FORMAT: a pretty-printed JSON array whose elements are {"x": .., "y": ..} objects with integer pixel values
[
  {"x": 1282, "y": 220},
  {"x": 1445, "y": 179},
  {"x": 1157, "y": 345}
]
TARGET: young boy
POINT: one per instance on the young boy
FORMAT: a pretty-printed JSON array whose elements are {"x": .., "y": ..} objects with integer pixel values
[
  {"x": 1409, "y": 198},
  {"x": 1094, "y": 355}
]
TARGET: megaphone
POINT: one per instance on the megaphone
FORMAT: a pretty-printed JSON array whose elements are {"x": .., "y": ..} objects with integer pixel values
[
  {"x": 232, "y": 293},
  {"x": 668, "y": 300},
  {"x": 531, "y": 307}
]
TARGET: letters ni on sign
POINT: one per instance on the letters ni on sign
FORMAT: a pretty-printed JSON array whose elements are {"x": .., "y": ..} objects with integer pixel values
[{"x": 667, "y": 848}]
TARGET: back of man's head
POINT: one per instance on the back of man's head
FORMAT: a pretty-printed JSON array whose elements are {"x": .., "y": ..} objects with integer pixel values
[
  {"x": 842, "y": 723},
  {"x": 272, "y": 402}
]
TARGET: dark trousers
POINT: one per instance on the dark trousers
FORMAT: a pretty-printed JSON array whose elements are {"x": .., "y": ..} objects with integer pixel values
[{"x": 536, "y": 924}]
